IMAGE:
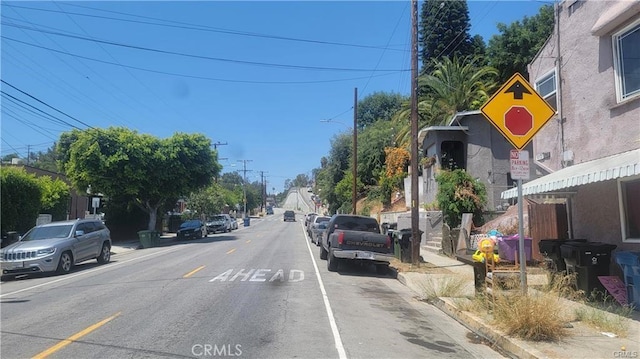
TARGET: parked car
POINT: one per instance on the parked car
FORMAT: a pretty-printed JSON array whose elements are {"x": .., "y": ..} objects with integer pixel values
[
  {"x": 57, "y": 247},
  {"x": 234, "y": 222},
  {"x": 317, "y": 230},
  {"x": 314, "y": 221},
  {"x": 356, "y": 238},
  {"x": 193, "y": 228},
  {"x": 308, "y": 218},
  {"x": 219, "y": 223},
  {"x": 289, "y": 216}
]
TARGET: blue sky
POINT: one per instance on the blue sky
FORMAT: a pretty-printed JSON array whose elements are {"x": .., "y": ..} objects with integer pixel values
[{"x": 237, "y": 72}]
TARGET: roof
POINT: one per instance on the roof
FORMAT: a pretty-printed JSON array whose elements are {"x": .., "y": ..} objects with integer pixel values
[
  {"x": 422, "y": 134},
  {"x": 608, "y": 168}
]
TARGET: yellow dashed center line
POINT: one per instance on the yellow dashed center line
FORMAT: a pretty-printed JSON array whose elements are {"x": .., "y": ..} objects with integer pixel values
[
  {"x": 74, "y": 337},
  {"x": 192, "y": 272},
  {"x": 231, "y": 251}
]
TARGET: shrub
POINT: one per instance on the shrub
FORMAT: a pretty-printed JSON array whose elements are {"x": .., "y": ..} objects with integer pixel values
[
  {"x": 459, "y": 193},
  {"x": 21, "y": 199}
]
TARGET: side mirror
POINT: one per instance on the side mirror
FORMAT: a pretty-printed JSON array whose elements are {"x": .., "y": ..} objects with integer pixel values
[{"x": 79, "y": 233}]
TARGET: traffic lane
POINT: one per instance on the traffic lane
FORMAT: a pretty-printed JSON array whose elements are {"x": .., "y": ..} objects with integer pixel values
[
  {"x": 396, "y": 324},
  {"x": 166, "y": 315}
]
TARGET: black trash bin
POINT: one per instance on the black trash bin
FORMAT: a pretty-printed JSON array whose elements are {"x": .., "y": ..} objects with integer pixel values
[
  {"x": 588, "y": 260},
  {"x": 405, "y": 241},
  {"x": 550, "y": 250}
]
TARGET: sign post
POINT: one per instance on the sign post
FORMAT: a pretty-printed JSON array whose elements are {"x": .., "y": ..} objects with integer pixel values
[{"x": 518, "y": 112}]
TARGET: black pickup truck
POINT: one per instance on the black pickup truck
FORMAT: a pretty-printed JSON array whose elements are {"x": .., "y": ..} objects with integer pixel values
[{"x": 356, "y": 238}]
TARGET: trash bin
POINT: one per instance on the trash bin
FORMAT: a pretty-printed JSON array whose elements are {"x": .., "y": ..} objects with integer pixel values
[
  {"x": 405, "y": 244},
  {"x": 247, "y": 221},
  {"x": 395, "y": 238},
  {"x": 588, "y": 260},
  {"x": 630, "y": 263},
  {"x": 509, "y": 246},
  {"x": 550, "y": 250},
  {"x": 148, "y": 238}
]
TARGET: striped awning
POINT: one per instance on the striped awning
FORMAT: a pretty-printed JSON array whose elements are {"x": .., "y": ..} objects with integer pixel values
[{"x": 603, "y": 169}]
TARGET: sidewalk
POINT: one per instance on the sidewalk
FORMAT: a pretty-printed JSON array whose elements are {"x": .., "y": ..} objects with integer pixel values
[
  {"x": 583, "y": 341},
  {"x": 123, "y": 246}
]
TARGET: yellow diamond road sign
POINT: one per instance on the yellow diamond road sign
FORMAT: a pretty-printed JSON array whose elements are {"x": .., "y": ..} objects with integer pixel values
[{"x": 517, "y": 111}]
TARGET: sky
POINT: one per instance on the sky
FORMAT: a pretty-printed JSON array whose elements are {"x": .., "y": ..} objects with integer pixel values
[{"x": 259, "y": 79}]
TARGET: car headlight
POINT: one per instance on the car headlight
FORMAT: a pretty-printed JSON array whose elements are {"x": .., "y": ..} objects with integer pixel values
[{"x": 46, "y": 251}]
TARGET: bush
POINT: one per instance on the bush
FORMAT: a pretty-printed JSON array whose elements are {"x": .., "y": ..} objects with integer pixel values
[
  {"x": 21, "y": 199},
  {"x": 55, "y": 197},
  {"x": 459, "y": 193}
]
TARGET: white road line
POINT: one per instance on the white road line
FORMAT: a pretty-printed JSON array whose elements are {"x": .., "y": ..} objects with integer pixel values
[
  {"x": 67, "y": 277},
  {"x": 332, "y": 320}
]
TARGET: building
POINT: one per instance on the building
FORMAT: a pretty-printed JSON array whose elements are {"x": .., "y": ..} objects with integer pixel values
[{"x": 589, "y": 71}]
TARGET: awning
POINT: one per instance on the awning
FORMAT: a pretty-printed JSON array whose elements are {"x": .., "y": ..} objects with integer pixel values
[{"x": 608, "y": 168}]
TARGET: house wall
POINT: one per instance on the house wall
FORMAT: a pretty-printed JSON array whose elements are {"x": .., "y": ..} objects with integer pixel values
[{"x": 595, "y": 126}]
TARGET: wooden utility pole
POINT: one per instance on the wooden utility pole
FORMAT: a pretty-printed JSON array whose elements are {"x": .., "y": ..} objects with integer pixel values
[
  {"x": 354, "y": 198},
  {"x": 415, "y": 198}
]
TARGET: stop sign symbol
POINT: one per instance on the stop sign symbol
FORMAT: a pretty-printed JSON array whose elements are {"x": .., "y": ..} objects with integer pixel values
[{"x": 518, "y": 120}]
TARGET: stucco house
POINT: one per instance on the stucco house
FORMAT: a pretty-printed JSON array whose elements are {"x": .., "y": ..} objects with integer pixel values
[{"x": 589, "y": 71}]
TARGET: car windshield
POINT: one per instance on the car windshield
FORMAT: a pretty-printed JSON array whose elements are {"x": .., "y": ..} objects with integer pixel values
[
  {"x": 217, "y": 219},
  {"x": 190, "y": 223},
  {"x": 48, "y": 232}
]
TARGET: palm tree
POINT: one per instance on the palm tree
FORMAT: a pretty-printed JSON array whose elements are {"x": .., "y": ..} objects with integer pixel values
[{"x": 457, "y": 84}]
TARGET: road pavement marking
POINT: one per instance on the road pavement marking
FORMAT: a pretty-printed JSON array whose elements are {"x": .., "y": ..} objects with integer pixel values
[
  {"x": 342, "y": 354},
  {"x": 74, "y": 337},
  {"x": 192, "y": 272},
  {"x": 248, "y": 241},
  {"x": 105, "y": 267},
  {"x": 231, "y": 250}
]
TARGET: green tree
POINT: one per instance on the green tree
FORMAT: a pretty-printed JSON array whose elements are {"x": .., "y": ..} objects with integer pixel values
[
  {"x": 378, "y": 106},
  {"x": 371, "y": 156},
  {"x": 344, "y": 192},
  {"x": 517, "y": 44},
  {"x": 146, "y": 170},
  {"x": 46, "y": 160},
  {"x": 444, "y": 31},
  {"x": 460, "y": 193},
  {"x": 208, "y": 201},
  {"x": 21, "y": 199},
  {"x": 334, "y": 168},
  {"x": 55, "y": 197}
]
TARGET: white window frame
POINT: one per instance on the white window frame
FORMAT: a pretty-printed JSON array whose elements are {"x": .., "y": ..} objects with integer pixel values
[
  {"x": 620, "y": 96},
  {"x": 623, "y": 210},
  {"x": 544, "y": 78}
]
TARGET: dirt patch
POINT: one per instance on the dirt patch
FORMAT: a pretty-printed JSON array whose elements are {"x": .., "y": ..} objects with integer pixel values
[{"x": 424, "y": 267}]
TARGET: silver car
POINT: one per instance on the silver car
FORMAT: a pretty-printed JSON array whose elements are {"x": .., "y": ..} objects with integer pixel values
[{"x": 57, "y": 247}]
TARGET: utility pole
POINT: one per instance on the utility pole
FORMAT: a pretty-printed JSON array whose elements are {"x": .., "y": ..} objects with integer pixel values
[
  {"x": 415, "y": 198},
  {"x": 28, "y": 154},
  {"x": 354, "y": 198},
  {"x": 244, "y": 185},
  {"x": 263, "y": 189},
  {"x": 215, "y": 145}
]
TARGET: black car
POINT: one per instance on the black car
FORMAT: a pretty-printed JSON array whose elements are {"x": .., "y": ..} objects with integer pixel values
[
  {"x": 289, "y": 216},
  {"x": 193, "y": 228}
]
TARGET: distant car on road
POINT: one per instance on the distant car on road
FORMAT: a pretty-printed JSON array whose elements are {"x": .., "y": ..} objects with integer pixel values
[
  {"x": 269, "y": 210},
  {"x": 219, "y": 223},
  {"x": 318, "y": 227},
  {"x": 57, "y": 246},
  {"x": 193, "y": 228},
  {"x": 289, "y": 216}
]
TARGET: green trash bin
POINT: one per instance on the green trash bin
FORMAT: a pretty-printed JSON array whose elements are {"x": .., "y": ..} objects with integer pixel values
[
  {"x": 148, "y": 238},
  {"x": 395, "y": 237}
]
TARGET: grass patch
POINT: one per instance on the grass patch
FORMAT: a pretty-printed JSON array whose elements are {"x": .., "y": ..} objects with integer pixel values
[
  {"x": 606, "y": 315},
  {"x": 451, "y": 286}
]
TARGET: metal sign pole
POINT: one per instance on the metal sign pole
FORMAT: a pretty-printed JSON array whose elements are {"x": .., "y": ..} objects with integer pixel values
[{"x": 523, "y": 257}]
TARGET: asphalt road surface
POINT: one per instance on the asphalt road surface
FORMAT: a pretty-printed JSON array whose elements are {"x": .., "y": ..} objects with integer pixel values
[{"x": 258, "y": 292}]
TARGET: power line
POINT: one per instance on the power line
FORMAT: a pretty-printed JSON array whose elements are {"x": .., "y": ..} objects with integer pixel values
[
  {"x": 59, "y": 120},
  {"x": 194, "y": 76},
  {"x": 201, "y": 57},
  {"x": 46, "y": 104},
  {"x": 187, "y": 26}
]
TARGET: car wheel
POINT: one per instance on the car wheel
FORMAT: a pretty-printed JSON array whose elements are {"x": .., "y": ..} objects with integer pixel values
[
  {"x": 66, "y": 263},
  {"x": 105, "y": 254},
  {"x": 332, "y": 262},
  {"x": 323, "y": 252}
]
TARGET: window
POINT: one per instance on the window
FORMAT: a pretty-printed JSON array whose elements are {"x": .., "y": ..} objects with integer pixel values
[
  {"x": 626, "y": 54},
  {"x": 546, "y": 87},
  {"x": 629, "y": 192}
]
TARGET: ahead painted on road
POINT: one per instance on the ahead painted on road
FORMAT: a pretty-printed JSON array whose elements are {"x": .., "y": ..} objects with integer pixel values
[{"x": 260, "y": 275}]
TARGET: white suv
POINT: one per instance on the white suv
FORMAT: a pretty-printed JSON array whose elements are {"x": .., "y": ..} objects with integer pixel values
[{"x": 57, "y": 246}]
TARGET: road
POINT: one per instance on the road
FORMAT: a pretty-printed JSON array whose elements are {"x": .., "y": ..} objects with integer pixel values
[{"x": 258, "y": 292}]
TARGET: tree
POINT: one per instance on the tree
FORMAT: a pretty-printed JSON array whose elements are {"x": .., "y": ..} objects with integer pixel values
[
  {"x": 371, "y": 155},
  {"x": 21, "y": 199},
  {"x": 208, "y": 201},
  {"x": 46, "y": 160},
  {"x": 55, "y": 197},
  {"x": 378, "y": 106},
  {"x": 517, "y": 44},
  {"x": 119, "y": 162},
  {"x": 444, "y": 31},
  {"x": 460, "y": 193},
  {"x": 338, "y": 162}
]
